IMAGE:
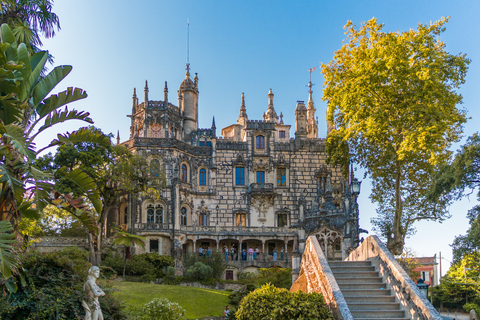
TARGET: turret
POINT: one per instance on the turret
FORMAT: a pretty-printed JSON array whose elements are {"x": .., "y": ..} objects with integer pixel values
[
  {"x": 300, "y": 120},
  {"x": 242, "y": 117},
  {"x": 312, "y": 127},
  {"x": 165, "y": 93},
  {"x": 146, "y": 94},
  {"x": 188, "y": 102},
  {"x": 271, "y": 115}
]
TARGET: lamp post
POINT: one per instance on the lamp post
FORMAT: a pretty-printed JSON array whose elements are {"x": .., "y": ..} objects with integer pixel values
[{"x": 423, "y": 287}]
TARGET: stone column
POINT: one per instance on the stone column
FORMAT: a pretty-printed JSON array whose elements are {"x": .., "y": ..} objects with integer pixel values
[
  {"x": 177, "y": 206},
  {"x": 263, "y": 250},
  {"x": 285, "y": 249}
]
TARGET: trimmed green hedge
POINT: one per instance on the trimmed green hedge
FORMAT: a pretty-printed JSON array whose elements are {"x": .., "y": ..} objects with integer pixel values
[{"x": 271, "y": 303}]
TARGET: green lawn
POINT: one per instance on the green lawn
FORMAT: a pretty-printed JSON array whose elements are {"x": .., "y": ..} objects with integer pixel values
[{"x": 199, "y": 303}]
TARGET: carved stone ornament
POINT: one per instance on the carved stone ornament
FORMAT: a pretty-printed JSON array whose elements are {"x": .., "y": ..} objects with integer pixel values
[
  {"x": 262, "y": 203},
  {"x": 261, "y": 165}
]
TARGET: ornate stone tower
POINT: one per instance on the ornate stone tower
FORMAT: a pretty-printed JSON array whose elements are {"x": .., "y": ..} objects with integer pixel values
[
  {"x": 271, "y": 115},
  {"x": 301, "y": 120},
  {"x": 188, "y": 102},
  {"x": 312, "y": 124}
]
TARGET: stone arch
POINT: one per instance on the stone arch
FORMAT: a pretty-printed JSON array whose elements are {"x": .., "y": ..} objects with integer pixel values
[{"x": 154, "y": 212}]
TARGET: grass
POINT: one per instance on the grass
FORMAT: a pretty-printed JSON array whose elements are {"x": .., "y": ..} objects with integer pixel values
[{"x": 199, "y": 303}]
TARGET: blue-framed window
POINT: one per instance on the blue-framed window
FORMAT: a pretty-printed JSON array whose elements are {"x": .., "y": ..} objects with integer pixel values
[
  {"x": 239, "y": 176},
  {"x": 260, "y": 176},
  {"x": 281, "y": 177},
  {"x": 260, "y": 142},
  {"x": 202, "y": 178}
]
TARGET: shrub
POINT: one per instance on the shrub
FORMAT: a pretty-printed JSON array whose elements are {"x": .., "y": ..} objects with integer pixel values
[
  {"x": 54, "y": 288},
  {"x": 273, "y": 303},
  {"x": 157, "y": 309},
  {"x": 279, "y": 277},
  {"x": 158, "y": 261},
  {"x": 170, "y": 276},
  {"x": 107, "y": 273},
  {"x": 113, "y": 261},
  {"x": 199, "y": 271},
  {"x": 139, "y": 267},
  {"x": 148, "y": 278},
  {"x": 216, "y": 261},
  {"x": 236, "y": 296},
  {"x": 469, "y": 306}
]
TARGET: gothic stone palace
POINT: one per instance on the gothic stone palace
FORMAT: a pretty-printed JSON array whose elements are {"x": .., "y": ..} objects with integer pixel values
[{"x": 254, "y": 187}]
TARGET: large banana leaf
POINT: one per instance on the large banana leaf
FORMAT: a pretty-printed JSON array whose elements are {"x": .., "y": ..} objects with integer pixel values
[
  {"x": 59, "y": 116},
  {"x": 45, "y": 85},
  {"x": 85, "y": 183},
  {"x": 81, "y": 135},
  {"x": 7, "y": 178},
  {"x": 35, "y": 66},
  {"x": 11, "y": 110},
  {"x": 8, "y": 262},
  {"x": 8, "y": 37},
  {"x": 127, "y": 239},
  {"x": 17, "y": 139}
]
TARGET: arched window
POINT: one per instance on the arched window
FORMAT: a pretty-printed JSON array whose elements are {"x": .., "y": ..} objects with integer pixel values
[
  {"x": 184, "y": 174},
  {"x": 159, "y": 214},
  {"x": 154, "y": 168},
  {"x": 260, "y": 143},
  {"x": 150, "y": 214},
  {"x": 183, "y": 216},
  {"x": 202, "y": 179},
  {"x": 125, "y": 215}
]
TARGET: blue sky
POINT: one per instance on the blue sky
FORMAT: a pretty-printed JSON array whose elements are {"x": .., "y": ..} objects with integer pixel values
[{"x": 243, "y": 46}]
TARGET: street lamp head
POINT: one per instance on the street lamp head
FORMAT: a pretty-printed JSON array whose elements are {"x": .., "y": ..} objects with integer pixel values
[
  {"x": 423, "y": 287},
  {"x": 355, "y": 187}
]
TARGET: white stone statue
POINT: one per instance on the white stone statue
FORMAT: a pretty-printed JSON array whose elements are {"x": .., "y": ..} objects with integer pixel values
[{"x": 92, "y": 292}]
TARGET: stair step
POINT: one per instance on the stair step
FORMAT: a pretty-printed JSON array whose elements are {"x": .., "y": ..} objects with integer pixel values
[
  {"x": 362, "y": 286},
  {"x": 375, "y": 314},
  {"x": 351, "y": 268},
  {"x": 366, "y": 299},
  {"x": 374, "y": 306},
  {"x": 358, "y": 280},
  {"x": 365, "y": 292},
  {"x": 361, "y": 274},
  {"x": 349, "y": 263}
]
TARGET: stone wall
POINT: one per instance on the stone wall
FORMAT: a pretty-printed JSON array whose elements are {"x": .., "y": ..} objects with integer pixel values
[{"x": 416, "y": 306}]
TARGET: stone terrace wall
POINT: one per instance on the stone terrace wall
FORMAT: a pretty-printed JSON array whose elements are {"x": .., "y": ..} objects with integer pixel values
[{"x": 416, "y": 306}]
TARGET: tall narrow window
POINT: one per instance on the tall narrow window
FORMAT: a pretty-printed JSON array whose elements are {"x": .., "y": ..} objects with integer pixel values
[
  {"x": 154, "y": 168},
  {"x": 281, "y": 134},
  {"x": 239, "y": 176},
  {"x": 183, "y": 216},
  {"x": 281, "y": 177},
  {"x": 282, "y": 220},
  {"x": 150, "y": 214},
  {"x": 184, "y": 175},
  {"x": 203, "y": 219},
  {"x": 125, "y": 215},
  {"x": 159, "y": 214},
  {"x": 260, "y": 176},
  {"x": 260, "y": 142},
  {"x": 202, "y": 143},
  {"x": 240, "y": 219},
  {"x": 203, "y": 177}
]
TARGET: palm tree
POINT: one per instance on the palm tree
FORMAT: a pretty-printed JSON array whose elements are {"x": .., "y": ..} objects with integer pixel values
[
  {"x": 128, "y": 240},
  {"x": 30, "y": 20}
]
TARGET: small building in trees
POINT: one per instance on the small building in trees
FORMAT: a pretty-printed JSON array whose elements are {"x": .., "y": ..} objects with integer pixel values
[
  {"x": 252, "y": 187},
  {"x": 428, "y": 270}
]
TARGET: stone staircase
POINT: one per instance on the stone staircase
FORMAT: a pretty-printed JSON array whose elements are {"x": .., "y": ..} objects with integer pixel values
[{"x": 365, "y": 293}]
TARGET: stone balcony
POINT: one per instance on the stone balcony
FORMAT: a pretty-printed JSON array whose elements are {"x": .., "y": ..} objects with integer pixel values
[{"x": 261, "y": 188}]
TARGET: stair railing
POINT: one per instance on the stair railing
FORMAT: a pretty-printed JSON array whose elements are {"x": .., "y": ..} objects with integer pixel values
[{"x": 415, "y": 304}]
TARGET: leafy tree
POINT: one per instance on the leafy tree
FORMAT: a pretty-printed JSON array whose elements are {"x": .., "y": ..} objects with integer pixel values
[
  {"x": 115, "y": 170},
  {"x": 393, "y": 102},
  {"x": 273, "y": 303},
  {"x": 30, "y": 20},
  {"x": 27, "y": 109},
  {"x": 127, "y": 240}
]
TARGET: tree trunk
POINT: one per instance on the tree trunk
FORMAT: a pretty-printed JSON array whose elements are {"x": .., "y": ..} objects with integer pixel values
[
  {"x": 98, "y": 254},
  {"x": 395, "y": 241},
  {"x": 91, "y": 246},
  {"x": 125, "y": 261}
]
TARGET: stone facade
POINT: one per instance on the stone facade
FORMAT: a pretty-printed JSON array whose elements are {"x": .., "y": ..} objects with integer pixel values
[{"x": 255, "y": 187}]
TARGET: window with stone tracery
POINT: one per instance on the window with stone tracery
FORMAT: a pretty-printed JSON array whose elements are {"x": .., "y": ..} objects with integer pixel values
[
  {"x": 155, "y": 213},
  {"x": 156, "y": 131},
  {"x": 183, "y": 216}
]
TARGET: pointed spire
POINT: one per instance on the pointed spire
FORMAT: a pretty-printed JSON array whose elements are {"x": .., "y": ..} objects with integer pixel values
[
  {"x": 146, "y": 93},
  {"x": 213, "y": 123},
  {"x": 310, "y": 99},
  {"x": 118, "y": 137},
  {"x": 134, "y": 93},
  {"x": 165, "y": 92},
  {"x": 134, "y": 104},
  {"x": 214, "y": 128},
  {"x": 187, "y": 74},
  {"x": 281, "y": 118},
  {"x": 195, "y": 79},
  {"x": 271, "y": 115}
]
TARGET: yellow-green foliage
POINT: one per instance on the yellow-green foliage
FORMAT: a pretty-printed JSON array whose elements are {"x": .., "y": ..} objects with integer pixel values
[{"x": 271, "y": 303}]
